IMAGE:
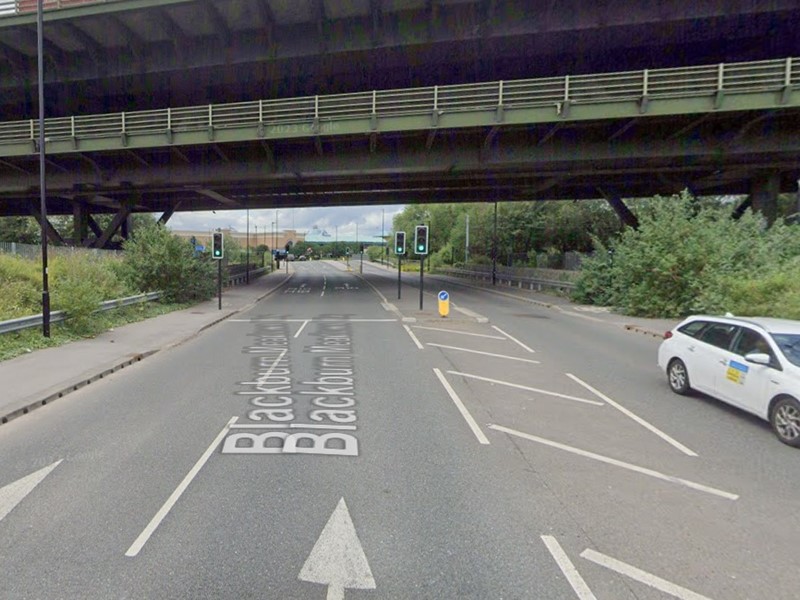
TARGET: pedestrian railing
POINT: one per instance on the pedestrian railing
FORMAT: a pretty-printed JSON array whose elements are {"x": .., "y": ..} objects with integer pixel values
[
  {"x": 508, "y": 280},
  {"x": 316, "y": 115}
]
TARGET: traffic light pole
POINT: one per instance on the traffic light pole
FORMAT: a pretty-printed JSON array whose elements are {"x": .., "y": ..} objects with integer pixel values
[
  {"x": 421, "y": 283},
  {"x": 219, "y": 285},
  {"x": 399, "y": 269}
]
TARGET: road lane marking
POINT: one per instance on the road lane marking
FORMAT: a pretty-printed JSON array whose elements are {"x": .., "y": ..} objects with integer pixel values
[
  {"x": 167, "y": 506},
  {"x": 303, "y": 326},
  {"x": 482, "y": 335},
  {"x": 513, "y": 339},
  {"x": 413, "y": 337},
  {"x": 324, "y": 285},
  {"x": 568, "y": 569},
  {"x": 635, "y": 417},
  {"x": 293, "y": 426},
  {"x": 641, "y": 576},
  {"x": 461, "y": 408},
  {"x": 470, "y": 313},
  {"x": 527, "y": 388},
  {"x": 618, "y": 463},
  {"x": 527, "y": 360},
  {"x": 311, "y": 320},
  {"x": 337, "y": 559},
  {"x": 16, "y": 491}
]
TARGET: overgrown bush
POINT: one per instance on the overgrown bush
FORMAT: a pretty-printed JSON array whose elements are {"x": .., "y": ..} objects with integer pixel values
[
  {"x": 687, "y": 257},
  {"x": 156, "y": 260},
  {"x": 80, "y": 282},
  {"x": 21, "y": 284}
]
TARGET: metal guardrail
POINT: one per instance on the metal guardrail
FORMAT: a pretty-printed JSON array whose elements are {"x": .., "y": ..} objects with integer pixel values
[
  {"x": 316, "y": 115},
  {"x": 21, "y": 7},
  {"x": 532, "y": 283},
  {"x": 59, "y": 315}
]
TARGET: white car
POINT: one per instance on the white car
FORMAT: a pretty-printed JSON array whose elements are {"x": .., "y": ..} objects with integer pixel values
[{"x": 752, "y": 363}]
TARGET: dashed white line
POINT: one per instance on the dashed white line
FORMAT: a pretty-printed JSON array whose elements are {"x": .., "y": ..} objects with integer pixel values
[
  {"x": 618, "y": 463},
  {"x": 526, "y": 388},
  {"x": 568, "y": 569},
  {"x": 635, "y": 417},
  {"x": 473, "y": 425},
  {"x": 299, "y": 331},
  {"x": 482, "y": 335},
  {"x": 513, "y": 339},
  {"x": 527, "y": 360},
  {"x": 642, "y": 576},
  {"x": 162, "y": 512},
  {"x": 413, "y": 337}
]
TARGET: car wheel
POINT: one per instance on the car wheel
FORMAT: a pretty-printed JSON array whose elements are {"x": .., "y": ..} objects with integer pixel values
[
  {"x": 678, "y": 376},
  {"x": 785, "y": 421}
]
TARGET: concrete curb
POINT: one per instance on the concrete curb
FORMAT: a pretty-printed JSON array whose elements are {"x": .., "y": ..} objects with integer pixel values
[{"x": 78, "y": 383}]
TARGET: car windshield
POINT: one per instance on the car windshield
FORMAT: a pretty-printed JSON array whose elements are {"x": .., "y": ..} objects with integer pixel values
[{"x": 789, "y": 343}]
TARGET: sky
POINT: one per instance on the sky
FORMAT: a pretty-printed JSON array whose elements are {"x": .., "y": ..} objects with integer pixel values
[{"x": 314, "y": 222}]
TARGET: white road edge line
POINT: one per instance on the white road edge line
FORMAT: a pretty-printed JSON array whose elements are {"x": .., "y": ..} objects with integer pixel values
[
  {"x": 461, "y": 408},
  {"x": 483, "y": 335},
  {"x": 527, "y": 360},
  {"x": 299, "y": 331},
  {"x": 635, "y": 417},
  {"x": 641, "y": 576},
  {"x": 568, "y": 569},
  {"x": 513, "y": 339},
  {"x": 413, "y": 337},
  {"x": 162, "y": 512},
  {"x": 526, "y": 388},
  {"x": 618, "y": 463}
]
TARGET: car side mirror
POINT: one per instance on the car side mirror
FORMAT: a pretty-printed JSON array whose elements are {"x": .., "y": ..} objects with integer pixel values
[{"x": 759, "y": 358}]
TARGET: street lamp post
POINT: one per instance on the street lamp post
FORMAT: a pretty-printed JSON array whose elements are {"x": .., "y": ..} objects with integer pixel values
[
  {"x": 42, "y": 183},
  {"x": 247, "y": 252}
]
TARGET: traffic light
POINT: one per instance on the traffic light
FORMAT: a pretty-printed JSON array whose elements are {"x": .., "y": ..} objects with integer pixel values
[
  {"x": 399, "y": 242},
  {"x": 216, "y": 246},
  {"x": 421, "y": 239}
]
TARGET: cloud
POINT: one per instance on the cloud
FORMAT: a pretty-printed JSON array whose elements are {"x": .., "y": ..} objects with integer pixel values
[{"x": 340, "y": 221}]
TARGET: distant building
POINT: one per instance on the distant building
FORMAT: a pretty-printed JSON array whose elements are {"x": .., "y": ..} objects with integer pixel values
[{"x": 264, "y": 237}]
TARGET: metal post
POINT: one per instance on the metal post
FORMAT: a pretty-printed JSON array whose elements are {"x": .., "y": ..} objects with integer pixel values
[
  {"x": 466, "y": 243},
  {"x": 42, "y": 183},
  {"x": 494, "y": 247},
  {"x": 421, "y": 269},
  {"x": 247, "y": 252},
  {"x": 383, "y": 239},
  {"x": 399, "y": 269},
  {"x": 219, "y": 284}
]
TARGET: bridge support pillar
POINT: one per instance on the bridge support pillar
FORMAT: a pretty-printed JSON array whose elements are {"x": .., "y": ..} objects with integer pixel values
[
  {"x": 623, "y": 212},
  {"x": 764, "y": 189}
]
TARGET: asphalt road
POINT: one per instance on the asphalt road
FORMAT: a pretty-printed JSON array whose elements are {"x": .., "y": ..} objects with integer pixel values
[{"x": 335, "y": 442}]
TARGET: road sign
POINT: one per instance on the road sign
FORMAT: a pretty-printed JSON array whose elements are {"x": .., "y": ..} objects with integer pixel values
[{"x": 444, "y": 303}]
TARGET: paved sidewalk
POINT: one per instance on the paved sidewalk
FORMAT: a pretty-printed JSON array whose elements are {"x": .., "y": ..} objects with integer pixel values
[{"x": 35, "y": 379}]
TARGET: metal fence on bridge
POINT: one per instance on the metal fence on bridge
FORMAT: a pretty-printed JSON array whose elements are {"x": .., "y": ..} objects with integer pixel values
[{"x": 315, "y": 115}]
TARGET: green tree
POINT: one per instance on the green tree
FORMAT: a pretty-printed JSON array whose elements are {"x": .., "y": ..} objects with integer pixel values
[
  {"x": 23, "y": 230},
  {"x": 156, "y": 260}
]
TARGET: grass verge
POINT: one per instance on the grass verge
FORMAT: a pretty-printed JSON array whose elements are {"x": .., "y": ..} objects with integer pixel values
[{"x": 28, "y": 340}]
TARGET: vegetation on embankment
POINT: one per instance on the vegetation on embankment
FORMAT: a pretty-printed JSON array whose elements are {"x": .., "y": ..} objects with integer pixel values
[
  {"x": 690, "y": 256},
  {"x": 154, "y": 260}
]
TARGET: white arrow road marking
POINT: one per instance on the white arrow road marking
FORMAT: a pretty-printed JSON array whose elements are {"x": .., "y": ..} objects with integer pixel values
[
  {"x": 337, "y": 559},
  {"x": 568, "y": 569},
  {"x": 641, "y": 576},
  {"x": 13, "y": 493}
]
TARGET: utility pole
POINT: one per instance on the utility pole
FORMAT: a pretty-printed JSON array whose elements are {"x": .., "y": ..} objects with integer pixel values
[
  {"x": 494, "y": 247},
  {"x": 42, "y": 182}
]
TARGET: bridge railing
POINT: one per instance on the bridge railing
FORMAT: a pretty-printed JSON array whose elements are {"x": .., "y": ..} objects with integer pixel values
[
  {"x": 311, "y": 115},
  {"x": 18, "y": 7}
]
